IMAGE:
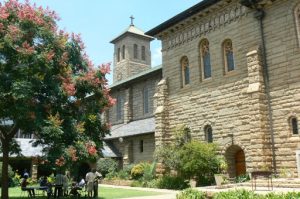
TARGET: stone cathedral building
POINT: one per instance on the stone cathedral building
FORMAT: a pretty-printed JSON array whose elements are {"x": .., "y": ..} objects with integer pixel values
[
  {"x": 230, "y": 72},
  {"x": 134, "y": 82}
]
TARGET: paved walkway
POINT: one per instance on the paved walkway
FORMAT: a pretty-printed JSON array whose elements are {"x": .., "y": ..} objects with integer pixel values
[
  {"x": 165, "y": 193},
  {"x": 171, "y": 194}
]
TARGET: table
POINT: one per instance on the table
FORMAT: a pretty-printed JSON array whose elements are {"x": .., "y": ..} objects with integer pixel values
[{"x": 262, "y": 174}]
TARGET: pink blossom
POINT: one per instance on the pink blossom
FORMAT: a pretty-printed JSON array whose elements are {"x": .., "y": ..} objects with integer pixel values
[
  {"x": 28, "y": 49},
  {"x": 69, "y": 88},
  {"x": 111, "y": 101},
  {"x": 50, "y": 55},
  {"x": 14, "y": 31},
  {"x": 3, "y": 14},
  {"x": 105, "y": 68}
]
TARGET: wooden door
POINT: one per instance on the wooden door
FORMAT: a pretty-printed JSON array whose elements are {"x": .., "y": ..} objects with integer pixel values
[{"x": 240, "y": 164}]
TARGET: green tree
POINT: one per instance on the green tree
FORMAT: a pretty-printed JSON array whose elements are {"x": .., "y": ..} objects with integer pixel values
[
  {"x": 49, "y": 87},
  {"x": 190, "y": 158}
]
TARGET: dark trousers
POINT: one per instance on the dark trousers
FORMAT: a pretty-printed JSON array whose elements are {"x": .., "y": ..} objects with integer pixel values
[
  {"x": 95, "y": 189},
  {"x": 58, "y": 191}
]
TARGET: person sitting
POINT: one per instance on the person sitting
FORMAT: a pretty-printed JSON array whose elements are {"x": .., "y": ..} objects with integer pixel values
[
  {"x": 24, "y": 187},
  {"x": 46, "y": 186},
  {"x": 75, "y": 189},
  {"x": 81, "y": 183}
]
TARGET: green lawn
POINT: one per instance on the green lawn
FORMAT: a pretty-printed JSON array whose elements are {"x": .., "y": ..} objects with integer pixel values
[{"x": 104, "y": 193}]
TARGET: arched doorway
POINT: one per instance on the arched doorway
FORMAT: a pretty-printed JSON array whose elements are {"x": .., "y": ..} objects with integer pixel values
[{"x": 235, "y": 157}]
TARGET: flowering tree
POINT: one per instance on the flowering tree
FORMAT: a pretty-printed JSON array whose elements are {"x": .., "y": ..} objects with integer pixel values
[{"x": 49, "y": 87}]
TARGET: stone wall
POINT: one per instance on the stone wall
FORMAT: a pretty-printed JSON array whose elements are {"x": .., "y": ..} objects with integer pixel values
[
  {"x": 133, "y": 102},
  {"x": 235, "y": 103},
  {"x": 130, "y": 148},
  {"x": 129, "y": 66}
]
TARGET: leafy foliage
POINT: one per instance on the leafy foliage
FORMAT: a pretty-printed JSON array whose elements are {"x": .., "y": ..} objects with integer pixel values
[
  {"x": 172, "y": 182},
  {"x": 137, "y": 171},
  {"x": 199, "y": 159},
  {"x": 190, "y": 158},
  {"x": 106, "y": 165},
  {"x": 237, "y": 194},
  {"x": 49, "y": 87},
  {"x": 190, "y": 194}
]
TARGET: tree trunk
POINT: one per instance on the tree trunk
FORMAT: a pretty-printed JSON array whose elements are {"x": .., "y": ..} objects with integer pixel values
[{"x": 4, "y": 183}]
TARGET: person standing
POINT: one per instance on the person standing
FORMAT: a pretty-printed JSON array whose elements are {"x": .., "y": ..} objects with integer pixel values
[
  {"x": 59, "y": 181},
  {"x": 92, "y": 182}
]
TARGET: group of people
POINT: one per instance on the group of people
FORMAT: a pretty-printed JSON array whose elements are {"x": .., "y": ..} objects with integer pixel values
[{"x": 61, "y": 185}]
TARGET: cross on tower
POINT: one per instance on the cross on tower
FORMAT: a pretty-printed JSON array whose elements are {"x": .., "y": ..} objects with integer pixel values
[{"x": 131, "y": 18}]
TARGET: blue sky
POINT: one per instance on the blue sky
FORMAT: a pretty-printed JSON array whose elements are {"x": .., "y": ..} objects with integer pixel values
[{"x": 99, "y": 21}]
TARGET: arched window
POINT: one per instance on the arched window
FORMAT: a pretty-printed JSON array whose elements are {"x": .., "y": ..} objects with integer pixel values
[
  {"x": 228, "y": 55},
  {"x": 297, "y": 20},
  {"x": 135, "y": 51},
  {"x": 146, "y": 100},
  {"x": 119, "y": 107},
  {"x": 143, "y": 53},
  {"x": 119, "y": 54},
  {"x": 294, "y": 125},
  {"x": 208, "y": 133},
  {"x": 123, "y": 52},
  {"x": 205, "y": 59},
  {"x": 185, "y": 71}
]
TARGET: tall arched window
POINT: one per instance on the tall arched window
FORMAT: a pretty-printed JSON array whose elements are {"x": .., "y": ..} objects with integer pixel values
[
  {"x": 208, "y": 133},
  {"x": 123, "y": 52},
  {"x": 119, "y": 54},
  {"x": 297, "y": 20},
  {"x": 185, "y": 71},
  {"x": 146, "y": 100},
  {"x": 294, "y": 125},
  {"x": 205, "y": 59},
  {"x": 143, "y": 53},
  {"x": 228, "y": 55},
  {"x": 119, "y": 107},
  {"x": 135, "y": 51}
]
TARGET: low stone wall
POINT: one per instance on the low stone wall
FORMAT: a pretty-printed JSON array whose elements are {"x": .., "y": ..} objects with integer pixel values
[{"x": 117, "y": 182}]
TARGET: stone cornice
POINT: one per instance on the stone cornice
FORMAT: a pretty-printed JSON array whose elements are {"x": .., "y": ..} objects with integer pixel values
[{"x": 194, "y": 29}]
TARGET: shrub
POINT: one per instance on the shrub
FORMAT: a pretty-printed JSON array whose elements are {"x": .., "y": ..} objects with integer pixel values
[
  {"x": 106, "y": 165},
  {"x": 200, "y": 160},
  {"x": 127, "y": 168},
  {"x": 239, "y": 193},
  {"x": 172, "y": 182},
  {"x": 122, "y": 174},
  {"x": 137, "y": 171},
  {"x": 190, "y": 194},
  {"x": 149, "y": 171}
]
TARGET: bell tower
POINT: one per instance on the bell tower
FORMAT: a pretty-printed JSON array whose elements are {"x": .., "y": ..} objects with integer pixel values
[{"x": 131, "y": 53}]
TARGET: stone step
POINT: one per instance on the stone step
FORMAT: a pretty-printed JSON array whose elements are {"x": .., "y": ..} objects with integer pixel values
[{"x": 284, "y": 183}]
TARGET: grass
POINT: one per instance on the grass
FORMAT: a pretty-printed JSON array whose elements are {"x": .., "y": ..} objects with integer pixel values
[{"x": 104, "y": 193}]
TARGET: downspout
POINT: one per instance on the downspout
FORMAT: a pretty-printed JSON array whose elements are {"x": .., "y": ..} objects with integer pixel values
[{"x": 259, "y": 15}]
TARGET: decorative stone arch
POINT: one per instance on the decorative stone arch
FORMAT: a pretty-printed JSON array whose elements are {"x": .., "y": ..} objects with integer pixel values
[
  {"x": 296, "y": 13},
  {"x": 204, "y": 125},
  {"x": 235, "y": 155},
  {"x": 290, "y": 121}
]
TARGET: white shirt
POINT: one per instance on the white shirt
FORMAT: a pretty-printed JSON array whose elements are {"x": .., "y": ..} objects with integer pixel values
[{"x": 90, "y": 176}]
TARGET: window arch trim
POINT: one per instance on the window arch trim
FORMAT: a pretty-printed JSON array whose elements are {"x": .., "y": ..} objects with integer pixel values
[
  {"x": 293, "y": 123},
  {"x": 185, "y": 71},
  {"x": 208, "y": 133},
  {"x": 228, "y": 56},
  {"x": 205, "y": 61}
]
